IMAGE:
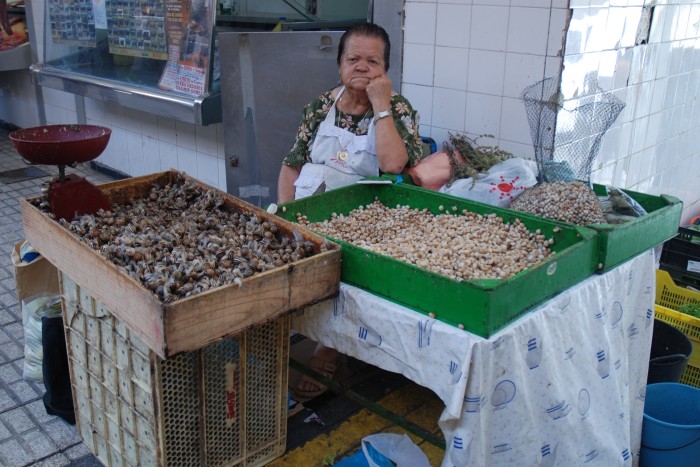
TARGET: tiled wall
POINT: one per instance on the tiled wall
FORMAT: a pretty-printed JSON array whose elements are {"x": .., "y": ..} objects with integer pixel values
[
  {"x": 654, "y": 145},
  {"x": 467, "y": 62}
]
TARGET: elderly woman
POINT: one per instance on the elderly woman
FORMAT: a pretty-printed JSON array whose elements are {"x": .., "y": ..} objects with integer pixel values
[{"x": 359, "y": 129}]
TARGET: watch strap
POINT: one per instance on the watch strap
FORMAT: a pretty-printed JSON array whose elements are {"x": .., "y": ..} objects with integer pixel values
[{"x": 381, "y": 114}]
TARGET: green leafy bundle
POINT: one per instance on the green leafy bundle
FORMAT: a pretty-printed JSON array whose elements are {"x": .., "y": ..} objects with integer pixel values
[{"x": 477, "y": 159}]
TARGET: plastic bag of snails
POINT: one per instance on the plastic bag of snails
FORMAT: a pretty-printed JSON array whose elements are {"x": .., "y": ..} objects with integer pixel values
[{"x": 501, "y": 184}]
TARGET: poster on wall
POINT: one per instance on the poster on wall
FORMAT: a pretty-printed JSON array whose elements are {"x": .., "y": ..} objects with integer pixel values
[
  {"x": 13, "y": 30},
  {"x": 72, "y": 22},
  {"x": 188, "y": 26},
  {"x": 136, "y": 28}
]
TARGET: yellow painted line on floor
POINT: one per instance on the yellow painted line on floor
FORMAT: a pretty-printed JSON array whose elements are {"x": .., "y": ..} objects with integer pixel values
[{"x": 415, "y": 403}]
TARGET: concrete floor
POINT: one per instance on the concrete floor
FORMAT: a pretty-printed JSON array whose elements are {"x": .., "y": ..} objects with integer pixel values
[{"x": 29, "y": 436}]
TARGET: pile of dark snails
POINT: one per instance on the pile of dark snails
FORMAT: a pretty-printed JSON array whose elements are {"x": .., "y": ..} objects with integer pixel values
[{"x": 181, "y": 240}]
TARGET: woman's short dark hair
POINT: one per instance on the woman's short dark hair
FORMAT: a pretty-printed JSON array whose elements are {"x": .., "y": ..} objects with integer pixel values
[{"x": 367, "y": 30}]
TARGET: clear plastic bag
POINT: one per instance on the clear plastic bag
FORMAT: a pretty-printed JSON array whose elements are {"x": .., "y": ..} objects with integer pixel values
[
  {"x": 499, "y": 186},
  {"x": 33, "y": 309}
]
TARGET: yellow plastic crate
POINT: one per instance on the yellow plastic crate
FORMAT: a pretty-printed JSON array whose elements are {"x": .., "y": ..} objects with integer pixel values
[{"x": 670, "y": 297}]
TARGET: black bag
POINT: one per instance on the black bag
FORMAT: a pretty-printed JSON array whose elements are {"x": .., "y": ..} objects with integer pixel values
[{"x": 58, "y": 399}]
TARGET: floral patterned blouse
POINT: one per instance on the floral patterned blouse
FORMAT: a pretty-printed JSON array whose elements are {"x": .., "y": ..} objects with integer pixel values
[{"x": 405, "y": 118}]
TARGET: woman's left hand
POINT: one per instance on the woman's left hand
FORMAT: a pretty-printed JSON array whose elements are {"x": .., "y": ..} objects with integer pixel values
[{"x": 379, "y": 92}]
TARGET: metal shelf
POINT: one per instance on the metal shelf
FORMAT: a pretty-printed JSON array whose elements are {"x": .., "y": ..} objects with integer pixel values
[{"x": 202, "y": 110}]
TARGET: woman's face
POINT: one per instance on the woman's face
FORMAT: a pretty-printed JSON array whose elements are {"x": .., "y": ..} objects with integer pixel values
[{"x": 362, "y": 60}]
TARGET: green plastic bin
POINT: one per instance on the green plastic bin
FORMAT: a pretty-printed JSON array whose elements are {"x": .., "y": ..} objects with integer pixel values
[
  {"x": 618, "y": 243},
  {"x": 480, "y": 306}
]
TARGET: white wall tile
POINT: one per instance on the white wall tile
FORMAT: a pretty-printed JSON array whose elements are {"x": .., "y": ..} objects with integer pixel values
[
  {"x": 621, "y": 172},
  {"x": 597, "y": 20},
  {"x": 514, "y": 124},
  {"x": 420, "y": 21},
  {"x": 120, "y": 150},
  {"x": 556, "y": 36},
  {"x": 682, "y": 24},
  {"x": 639, "y": 138},
  {"x": 606, "y": 69},
  {"x": 221, "y": 140},
  {"x": 187, "y": 160},
  {"x": 452, "y": 65},
  {"x": 441, "y": 135},
  {"x": 149, "y": 126},
  {"x": 185, "y": 135},
  {"x": 682, "y": 89},
  {"x": 532, "y": 3},
  {"x": 693, "y": 21},
  {"x": 670, "y": 22},
  {"x": 526, "y": 151},
  {"x": 421, "y": 98},
  {"x": 609, "y": 148},
  {"x": 657, "y": 24},
  {"x": 631, "y": 26},
  {"x": 448, "y": 108},
  {"x": 221, "y": 170},
  {"x": 168, "y": 156},
  {"x": 134, "y": 145},
  {"x": 688, "y": 53},
  {"x": 483, "y": 114},
  {"x": 206, "y": 139},
  {"x": 643, "y": 94},
  {"x": 528, "y": 30},
  {"x": 453, "y": 25},
  {"x": 133, "y": 119},
  {"x": 207, "y": 169},
  {"x": 652, "y": 133},
  {"x": 166, "y": 130},
  {"x": 458, "y": 2},
  {"x": 522, "y": 70},
  {"x": 674, "y": 65},
  {"x": 64, "y": 100},
  {"x": 605, "y": 175},
  {"x": 489, "y": 28},
  {"x": 486, "y": 72},
  {"x": 418, "y": 62},
  {"x": 151, "y": 155}
]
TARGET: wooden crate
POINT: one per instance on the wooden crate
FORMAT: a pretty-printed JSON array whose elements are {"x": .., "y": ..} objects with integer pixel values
[
  {"x": 225, "y": 404},
  {"x": 196, "y": 321}
]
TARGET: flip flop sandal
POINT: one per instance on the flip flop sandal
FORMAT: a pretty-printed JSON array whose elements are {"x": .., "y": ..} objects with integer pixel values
[{"x": 321, "y": 366}]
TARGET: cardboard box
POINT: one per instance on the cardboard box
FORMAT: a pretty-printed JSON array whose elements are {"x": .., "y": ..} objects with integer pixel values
[{"x": 35, "y": 277}]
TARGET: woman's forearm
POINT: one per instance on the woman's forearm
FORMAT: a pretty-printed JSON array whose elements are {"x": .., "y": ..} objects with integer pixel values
[
  {"x": 391, "y": 150},
  {"x": 285, "y": 183}
]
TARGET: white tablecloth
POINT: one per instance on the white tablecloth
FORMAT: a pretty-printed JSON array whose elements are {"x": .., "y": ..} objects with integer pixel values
[{"x": 562, "y": 385}]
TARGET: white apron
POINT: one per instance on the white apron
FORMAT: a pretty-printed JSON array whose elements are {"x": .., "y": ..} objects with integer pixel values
[{"x": 338, "y": 157}]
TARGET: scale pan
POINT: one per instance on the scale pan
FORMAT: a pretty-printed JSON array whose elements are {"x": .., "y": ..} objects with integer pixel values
[{"x": 61, "y": 144}]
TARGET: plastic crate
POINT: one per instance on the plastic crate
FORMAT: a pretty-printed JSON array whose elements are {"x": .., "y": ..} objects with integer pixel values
[
  {"x": 681, "y": 256},
  {"x": 224, "y": 404},
  {"x": 620, "y": 242},
  {"x": 670, "y": 297},
  {"x": 681, "y": 276},
  {"x": 480, "y": 306}
]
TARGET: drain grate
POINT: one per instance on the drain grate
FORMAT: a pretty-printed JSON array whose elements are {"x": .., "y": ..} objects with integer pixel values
[{"x": 20, "y": 175}]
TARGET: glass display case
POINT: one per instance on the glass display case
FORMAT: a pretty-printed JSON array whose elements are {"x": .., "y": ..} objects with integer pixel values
[{"x": 152, "y": 55}]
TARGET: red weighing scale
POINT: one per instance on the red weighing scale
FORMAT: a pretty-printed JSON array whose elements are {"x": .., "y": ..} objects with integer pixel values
[{"x": 66, "y": 145}]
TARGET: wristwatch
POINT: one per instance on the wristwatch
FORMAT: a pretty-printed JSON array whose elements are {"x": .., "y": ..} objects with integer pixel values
[{"x": 379, "y": 115}]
